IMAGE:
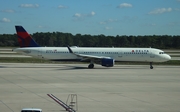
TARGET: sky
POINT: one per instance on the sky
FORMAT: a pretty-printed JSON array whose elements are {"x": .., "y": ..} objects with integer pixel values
[{"x": 92, "y": 17}]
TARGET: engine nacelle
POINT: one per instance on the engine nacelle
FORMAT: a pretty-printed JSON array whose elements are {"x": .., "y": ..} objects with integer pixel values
[{"x": 107, "y": 62}]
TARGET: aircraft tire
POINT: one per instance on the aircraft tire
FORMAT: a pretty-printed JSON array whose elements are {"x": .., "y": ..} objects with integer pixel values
[
  {"x": 91, "y": 66},
  {"x": 151, "y": 67}
]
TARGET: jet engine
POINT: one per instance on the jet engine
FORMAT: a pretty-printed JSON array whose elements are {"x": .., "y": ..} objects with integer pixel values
[{"x": 107, "y": 62}]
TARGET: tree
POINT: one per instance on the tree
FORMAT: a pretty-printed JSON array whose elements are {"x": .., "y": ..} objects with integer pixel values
[{"x": 60, "y": 39}]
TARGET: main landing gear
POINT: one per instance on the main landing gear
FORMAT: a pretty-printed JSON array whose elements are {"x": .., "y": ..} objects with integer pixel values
[
  {"x": 151, "y": 67},
  {"x": 91, "y": 65}
]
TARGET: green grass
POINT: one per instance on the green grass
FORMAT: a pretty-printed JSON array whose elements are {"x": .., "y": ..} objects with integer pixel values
[
  {"x": 35, "y": 60},
  {"x": 22, "y": 60},
  {"x": 175, "y": 55},
  {"x": 172, "y": 62}
]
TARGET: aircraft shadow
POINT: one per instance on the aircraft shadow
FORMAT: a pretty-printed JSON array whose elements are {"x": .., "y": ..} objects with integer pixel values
[
  {"x": 76, "y": 67},
  {"x": 98, "y": 67},
  {"x": 3, "y": 67}
]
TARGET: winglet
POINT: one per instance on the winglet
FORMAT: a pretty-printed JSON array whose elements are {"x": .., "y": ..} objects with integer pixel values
[{"x": 70, "y": 50}]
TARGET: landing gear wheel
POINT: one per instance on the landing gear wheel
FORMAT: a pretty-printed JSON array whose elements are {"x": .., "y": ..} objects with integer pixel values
[
  {"x": 151, "y": 67},
  {"x": 91, "y": 66}
]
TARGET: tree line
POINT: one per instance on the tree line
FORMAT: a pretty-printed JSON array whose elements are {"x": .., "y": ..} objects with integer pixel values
[{"x": 59, "y": 39}]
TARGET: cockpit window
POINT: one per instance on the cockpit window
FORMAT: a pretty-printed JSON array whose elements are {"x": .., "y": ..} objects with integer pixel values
[{"x": 161, "y": 52}]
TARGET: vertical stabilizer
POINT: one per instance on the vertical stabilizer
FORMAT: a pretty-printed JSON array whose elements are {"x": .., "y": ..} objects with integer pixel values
[{"x": 24, "y": 39}]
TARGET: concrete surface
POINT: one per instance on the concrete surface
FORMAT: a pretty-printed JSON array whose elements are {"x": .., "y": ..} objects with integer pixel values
[{"x": 123, "y": 88}]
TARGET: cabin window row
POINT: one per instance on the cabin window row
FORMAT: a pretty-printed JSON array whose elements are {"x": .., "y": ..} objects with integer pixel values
[
  {"x": 135, "y": 53},
  {"x": 56, "y": 52},
  {"x": 85, "y": 52}
]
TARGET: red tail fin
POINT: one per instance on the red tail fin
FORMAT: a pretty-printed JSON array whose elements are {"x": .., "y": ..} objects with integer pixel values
[{"x": 24, "y": 39}]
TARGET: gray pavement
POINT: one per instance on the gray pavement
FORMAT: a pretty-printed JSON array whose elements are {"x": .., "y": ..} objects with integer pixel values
[{"x": 123, "y": 88}]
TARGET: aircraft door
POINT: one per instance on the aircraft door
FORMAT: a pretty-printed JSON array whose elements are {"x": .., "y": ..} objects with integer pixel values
[
  {"x": 152, "y": 55},
  {"x": 39, "y": 53},
  {"x": 120, "y": 54}
]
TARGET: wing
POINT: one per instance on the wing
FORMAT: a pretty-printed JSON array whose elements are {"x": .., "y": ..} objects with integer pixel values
[{"x": 86, "y": 57}]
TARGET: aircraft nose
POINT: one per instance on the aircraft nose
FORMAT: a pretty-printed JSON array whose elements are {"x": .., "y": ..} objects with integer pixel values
[{"x": 167, "y": 57}]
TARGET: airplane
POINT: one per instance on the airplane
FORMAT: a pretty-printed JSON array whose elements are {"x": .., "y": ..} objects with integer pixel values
[{"x": 95, "y": 55}]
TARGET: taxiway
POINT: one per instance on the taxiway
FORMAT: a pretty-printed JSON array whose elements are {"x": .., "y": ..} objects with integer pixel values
[{"x": 123, "y": 88}]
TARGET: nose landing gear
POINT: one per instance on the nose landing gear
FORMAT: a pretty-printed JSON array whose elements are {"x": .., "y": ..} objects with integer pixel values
[{"x": 151, "y": 67}]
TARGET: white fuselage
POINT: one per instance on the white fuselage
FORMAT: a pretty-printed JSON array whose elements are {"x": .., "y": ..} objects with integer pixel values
[{"x": 118, "y": 54}]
